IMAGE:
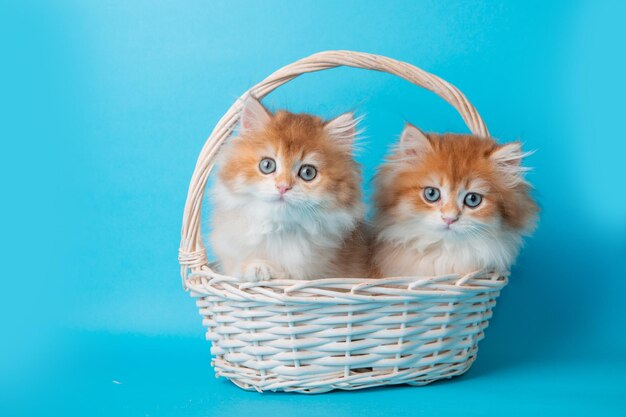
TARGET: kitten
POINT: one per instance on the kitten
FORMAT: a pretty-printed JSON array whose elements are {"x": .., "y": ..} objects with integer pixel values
[
  {"x": 450, "y": 204},
  {"x": 287, "y": 200}
]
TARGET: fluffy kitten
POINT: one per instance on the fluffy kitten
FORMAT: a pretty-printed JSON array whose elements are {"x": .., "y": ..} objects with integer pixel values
[
  {"x": 450, "y": 204},
  {"x": 287, "y": 201}
]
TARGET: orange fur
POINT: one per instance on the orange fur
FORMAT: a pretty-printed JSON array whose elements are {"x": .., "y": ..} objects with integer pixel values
[
  {"x": 456, "y": 160},
  {"x": 292, "y": 137}
]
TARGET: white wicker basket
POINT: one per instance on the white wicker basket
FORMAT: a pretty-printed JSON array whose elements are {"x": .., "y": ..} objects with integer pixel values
[{"x": 338, "y": 333}]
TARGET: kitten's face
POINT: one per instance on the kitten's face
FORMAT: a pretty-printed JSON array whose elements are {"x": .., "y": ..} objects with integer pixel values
[
  {"x": 292, "y": 161},
  {"x": 455, "y": 186},
  {"x": 449, "y": 206}
]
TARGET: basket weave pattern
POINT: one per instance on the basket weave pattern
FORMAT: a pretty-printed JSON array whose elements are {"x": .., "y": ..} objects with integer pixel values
[{"x": 335, "y": 333}]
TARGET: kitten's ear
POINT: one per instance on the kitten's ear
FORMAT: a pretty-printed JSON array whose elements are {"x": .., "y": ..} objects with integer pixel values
[
  {"x": 509, "y": 154},
  {"x": 413, "y": 141},
  {"x": 253, "y": 115},
  {"x": 342, "y": 128},
  {"x": 508, "y": 160}
]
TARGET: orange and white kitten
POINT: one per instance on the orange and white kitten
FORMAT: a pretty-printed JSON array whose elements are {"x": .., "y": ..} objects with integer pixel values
[
  {"x": 450, "y": 204},
  {"x": 287, "y": 200}
]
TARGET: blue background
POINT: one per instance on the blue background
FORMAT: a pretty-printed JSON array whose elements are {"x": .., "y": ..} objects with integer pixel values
[{"x": 105, "y": 106}]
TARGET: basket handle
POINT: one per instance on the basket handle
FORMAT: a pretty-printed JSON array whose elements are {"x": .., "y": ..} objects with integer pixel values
[{"x": 192, "y": 255}]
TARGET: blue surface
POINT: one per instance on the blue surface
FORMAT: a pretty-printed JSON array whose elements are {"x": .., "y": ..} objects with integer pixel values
[{"x": 104, "y": 108}]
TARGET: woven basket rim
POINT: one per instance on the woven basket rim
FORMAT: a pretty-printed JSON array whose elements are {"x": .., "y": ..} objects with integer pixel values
[
  {"x": 346, "y": 290},
  {"x": 192, "y": 254}
]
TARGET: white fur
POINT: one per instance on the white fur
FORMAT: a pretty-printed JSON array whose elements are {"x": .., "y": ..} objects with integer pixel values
[
  {"x": 257, "y": 237},
  {"x": 422, "y": 244}
]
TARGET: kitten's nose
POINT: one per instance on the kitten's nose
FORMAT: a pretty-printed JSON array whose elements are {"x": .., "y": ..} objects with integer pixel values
[
  {"x": 283, "y": 188},
  {"x": 449, "y": 219}
]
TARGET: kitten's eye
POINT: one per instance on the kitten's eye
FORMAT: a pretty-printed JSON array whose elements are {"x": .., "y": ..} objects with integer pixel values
[
  {"x": 473, "y": 200},
  {"x": 307, "y": 172},
  {"x": 267, "y": 165},
  {"x": 431, "y": 194}
]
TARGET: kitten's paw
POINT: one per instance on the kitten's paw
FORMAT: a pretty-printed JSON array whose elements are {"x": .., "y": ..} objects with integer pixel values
[{"x": 258, "y": 271}]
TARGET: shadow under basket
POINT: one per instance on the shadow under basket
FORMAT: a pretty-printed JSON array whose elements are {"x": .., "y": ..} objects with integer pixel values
[{"x": 337, "y": 333}]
